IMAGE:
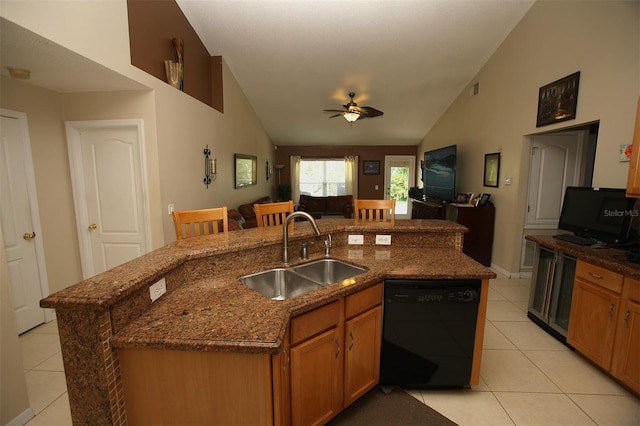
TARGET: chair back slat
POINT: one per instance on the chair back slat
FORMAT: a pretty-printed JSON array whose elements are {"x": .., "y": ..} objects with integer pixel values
[
  {"x": 272, "y": 214},
  {"x": 375, "y": 210},
  {"x": 193, "y": 223}
]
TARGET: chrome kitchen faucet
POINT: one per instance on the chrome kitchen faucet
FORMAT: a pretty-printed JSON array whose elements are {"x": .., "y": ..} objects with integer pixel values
[{"x": 285, "y": 232}]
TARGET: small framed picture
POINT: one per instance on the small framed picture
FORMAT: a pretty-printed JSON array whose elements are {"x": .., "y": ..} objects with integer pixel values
[
  {"x": 492, "y": 169},
  {"x": 484, "y": 199},
  {"x": 462, "y": 198},
  {"x": 371, "y": 167}
]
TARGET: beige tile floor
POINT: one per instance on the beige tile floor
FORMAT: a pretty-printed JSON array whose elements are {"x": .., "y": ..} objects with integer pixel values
[{"x": 527, "y": 377}]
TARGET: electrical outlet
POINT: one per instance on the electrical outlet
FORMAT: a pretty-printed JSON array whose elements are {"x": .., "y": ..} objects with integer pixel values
[
  {"x": 383, "y": 240},
  {"x": 170, "y": 208},
  {"x": 158, "y": 289},
  {"x": 356, "y": 239}
]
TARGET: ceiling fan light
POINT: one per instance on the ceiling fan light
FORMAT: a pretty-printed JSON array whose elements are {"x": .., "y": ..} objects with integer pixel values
[{"x": 351, "y": 116}]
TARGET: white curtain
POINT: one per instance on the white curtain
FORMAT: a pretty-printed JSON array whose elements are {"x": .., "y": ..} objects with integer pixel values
[
  {"x": 295, "y": 178},
  {"x": 351, "y": 176}
]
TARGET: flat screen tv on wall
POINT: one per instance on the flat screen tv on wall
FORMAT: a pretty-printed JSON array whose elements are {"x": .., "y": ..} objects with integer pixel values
[{"x": 439, "y": 174}]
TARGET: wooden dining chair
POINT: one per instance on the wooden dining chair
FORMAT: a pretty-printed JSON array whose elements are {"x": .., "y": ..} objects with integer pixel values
[
  {"x": 374, "y": 210},
  {"x": 193, "y": 223},
  {"x": 272, "y": 214}
]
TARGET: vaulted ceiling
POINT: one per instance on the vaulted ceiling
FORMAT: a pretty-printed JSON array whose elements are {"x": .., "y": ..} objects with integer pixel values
[
  {"x": 407, "y": 58},
  {"x": 295, "y": 58}
]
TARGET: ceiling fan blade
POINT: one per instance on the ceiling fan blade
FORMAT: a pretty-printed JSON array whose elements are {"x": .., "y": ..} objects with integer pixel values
[
  {"x": 333, "y": 110},
  {"x": 370, "y": 112},
  {"x": 336, "y": 115}
]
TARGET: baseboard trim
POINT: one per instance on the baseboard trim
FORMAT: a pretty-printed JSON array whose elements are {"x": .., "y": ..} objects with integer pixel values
[
  {"x": 22, "y": 418},
  {"x": 511, "y": 275}
]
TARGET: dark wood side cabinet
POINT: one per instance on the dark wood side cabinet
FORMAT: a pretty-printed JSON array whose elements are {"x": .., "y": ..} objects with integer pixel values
[{"x": 478, "y": 242}]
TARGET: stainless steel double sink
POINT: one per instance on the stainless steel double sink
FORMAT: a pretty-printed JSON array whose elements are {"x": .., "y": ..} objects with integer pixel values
[{"x": 286, "y": 283}]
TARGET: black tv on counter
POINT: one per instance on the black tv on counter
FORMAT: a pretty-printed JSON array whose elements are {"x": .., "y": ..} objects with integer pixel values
[
  {"x": 603, "y": 214},
  {"x": 439, "y": 174}
]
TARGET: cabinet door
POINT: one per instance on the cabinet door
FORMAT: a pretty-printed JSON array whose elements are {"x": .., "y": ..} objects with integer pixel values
[
  {"x": 633, "y": 180},
  {"x": 316, "y": 378},
  {"x": 592, "y": 323},
  {"x": 627, "y": 349},
  {"x": 362, "y": 357}
]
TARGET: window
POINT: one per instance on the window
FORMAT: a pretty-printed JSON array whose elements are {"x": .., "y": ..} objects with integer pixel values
[
  {"x": 321, "y": 178},
  {"x": 324, "y": 176}
]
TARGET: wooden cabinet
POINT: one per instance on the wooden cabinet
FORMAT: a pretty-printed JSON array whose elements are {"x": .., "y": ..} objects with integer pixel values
[
  {"x": 626, "y": 351},
  {"x": 633, "y": 180},
  {"x": 605, "y": 321},
  {"x": 594, "y": 311},
  {"x": 316, "y": 364},
  {"x": 335, "y": 355},
  {"x": 363, "y": 334},
  {"x": 478, "y": 242}
]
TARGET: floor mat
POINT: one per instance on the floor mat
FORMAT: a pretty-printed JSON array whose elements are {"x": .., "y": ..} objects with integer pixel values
[{"x": 377, "y": 407}]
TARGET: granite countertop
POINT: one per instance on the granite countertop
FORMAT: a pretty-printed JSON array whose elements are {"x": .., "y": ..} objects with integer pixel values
[
  {"x": 219, "y": 313},
  {"x": 609, "y": 258},
  {"x": 214, "y": 311},
  {"x": 109, "y": 287}
]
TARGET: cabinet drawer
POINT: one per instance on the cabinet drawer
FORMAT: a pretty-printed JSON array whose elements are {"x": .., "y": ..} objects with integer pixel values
[
  {"x": 632, "y": 289},
  {"x": 311, "y": 323},
  {"x": 600, "y": 276},
  {"x": 363, "y": 301}
]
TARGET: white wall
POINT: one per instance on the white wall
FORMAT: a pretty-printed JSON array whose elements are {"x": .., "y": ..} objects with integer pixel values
[{"x": 601, "y": 39}]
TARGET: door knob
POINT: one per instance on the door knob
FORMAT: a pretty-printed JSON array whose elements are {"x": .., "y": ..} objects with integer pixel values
[
  {"x": 92, "y": 227},
  {"x": 29, "y": 235}
]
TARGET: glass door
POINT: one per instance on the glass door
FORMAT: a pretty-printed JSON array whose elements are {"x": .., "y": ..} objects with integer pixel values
[
  {"x": 399, "y": 176},
  {"x": 541, "y": 282},
  {"x": 562, "y": 294}
]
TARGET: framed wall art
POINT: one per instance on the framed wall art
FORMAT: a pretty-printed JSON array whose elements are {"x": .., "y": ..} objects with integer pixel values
[
  {"x": 557, "y": 101},
  {"x": 492, "y": 169},
  {"x": 371, "y": 167},
  {"x": 246, "y": 168}
]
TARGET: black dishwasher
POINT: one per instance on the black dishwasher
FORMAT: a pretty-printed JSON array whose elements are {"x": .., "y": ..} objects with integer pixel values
[{"x": 428, "y": 332}]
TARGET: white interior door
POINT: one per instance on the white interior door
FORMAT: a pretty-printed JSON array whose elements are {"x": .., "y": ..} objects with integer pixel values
[
  {"x": 555, "y": 164},
  {"x": 399, "y": 176},
  {"x": 20, "y": 222},
  {"x": 109, "y": 192}
]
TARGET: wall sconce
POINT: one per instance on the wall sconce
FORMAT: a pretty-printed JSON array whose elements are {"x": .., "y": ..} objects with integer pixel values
[
  {"x": 269, "y": 170},
  {"x": 210, "y": 167}
]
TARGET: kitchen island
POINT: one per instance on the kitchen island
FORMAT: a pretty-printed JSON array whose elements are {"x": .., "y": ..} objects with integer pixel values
[{"x": 207, "y": 311}]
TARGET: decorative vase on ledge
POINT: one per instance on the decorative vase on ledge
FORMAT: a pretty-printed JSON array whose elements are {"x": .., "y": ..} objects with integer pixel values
[{"x": 172, "y": 68}]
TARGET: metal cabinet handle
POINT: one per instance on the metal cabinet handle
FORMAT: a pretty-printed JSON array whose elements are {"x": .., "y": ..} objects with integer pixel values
[
  {"x": 611, "y": 311},
  {"x": 337, "y": 347},
  {"x": 596, "y": 275},
  {"x": 351, "y": 336},
  {"x": 29, "y": 235},
  {"x": 287, "y": 359},
  {"x": 92, "y": 227},
  {"x": 626, "y": 319}
]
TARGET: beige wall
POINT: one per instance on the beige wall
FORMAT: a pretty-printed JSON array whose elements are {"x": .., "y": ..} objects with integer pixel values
[
  {"x": 556, "y": 38},
  {"x": 45, "y": 116},
  {"x": 176, "y": 130}
]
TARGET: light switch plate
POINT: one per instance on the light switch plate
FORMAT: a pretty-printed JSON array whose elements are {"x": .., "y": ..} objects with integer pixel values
[
  {"x": 356, "y": 239},
  {"x": 383, "y": 240},
  {"x": 158, "y": 289}
]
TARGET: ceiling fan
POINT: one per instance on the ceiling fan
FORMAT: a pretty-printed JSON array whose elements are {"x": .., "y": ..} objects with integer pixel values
[{"x": 353, "y": 112}]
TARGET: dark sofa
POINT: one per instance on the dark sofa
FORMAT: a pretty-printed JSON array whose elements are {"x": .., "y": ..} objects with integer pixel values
[
  {"x": 331, "y": 205},
  {"x": 247, "y": 213}
]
